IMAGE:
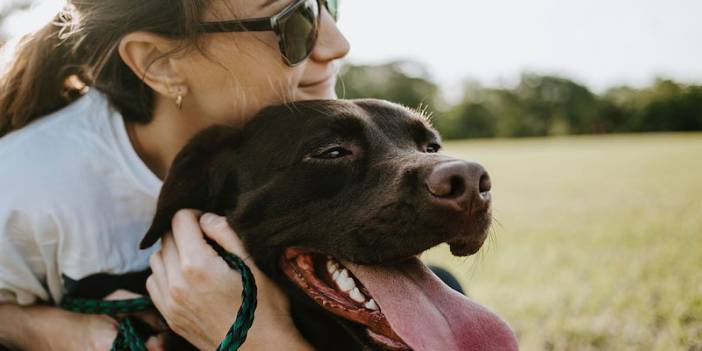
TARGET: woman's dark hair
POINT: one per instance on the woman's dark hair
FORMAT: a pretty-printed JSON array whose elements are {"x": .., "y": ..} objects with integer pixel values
[{"x": 79, "y": 48}]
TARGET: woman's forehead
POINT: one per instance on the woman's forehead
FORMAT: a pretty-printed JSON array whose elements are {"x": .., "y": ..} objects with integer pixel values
[{"x": 221, "y": 10}]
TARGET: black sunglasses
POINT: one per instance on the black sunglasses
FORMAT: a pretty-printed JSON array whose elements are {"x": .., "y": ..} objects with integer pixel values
[{"x": 296, "y": 26}]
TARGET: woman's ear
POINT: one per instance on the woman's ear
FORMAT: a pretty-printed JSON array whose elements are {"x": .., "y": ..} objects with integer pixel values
[
  {"x": 151, "y": 58},
  {"x": 202, "y": 177}
]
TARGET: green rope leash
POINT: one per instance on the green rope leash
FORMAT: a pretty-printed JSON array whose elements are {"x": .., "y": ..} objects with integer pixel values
[{"x": 127, "y": 337}]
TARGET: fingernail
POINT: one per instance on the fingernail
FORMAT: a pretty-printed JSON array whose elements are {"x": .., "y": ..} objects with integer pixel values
[{"x": 208, "y": 219}]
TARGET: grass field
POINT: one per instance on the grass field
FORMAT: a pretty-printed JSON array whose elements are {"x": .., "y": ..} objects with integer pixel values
[{"x": 597, "y": 243}]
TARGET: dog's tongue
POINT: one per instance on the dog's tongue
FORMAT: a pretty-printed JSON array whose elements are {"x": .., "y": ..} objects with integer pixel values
[{"x": 427, "y": 314}]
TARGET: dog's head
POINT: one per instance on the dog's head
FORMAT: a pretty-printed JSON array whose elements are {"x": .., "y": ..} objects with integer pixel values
[{"x": 334, "y": 199}]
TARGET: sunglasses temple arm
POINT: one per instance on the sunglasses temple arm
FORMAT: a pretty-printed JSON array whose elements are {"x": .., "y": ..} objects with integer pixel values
[{"x": 252, "y": 25}]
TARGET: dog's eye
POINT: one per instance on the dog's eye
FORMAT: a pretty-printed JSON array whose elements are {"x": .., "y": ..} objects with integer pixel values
[
  {"x": 334, "y": 152},
  {"x": 433, "y": 148}
]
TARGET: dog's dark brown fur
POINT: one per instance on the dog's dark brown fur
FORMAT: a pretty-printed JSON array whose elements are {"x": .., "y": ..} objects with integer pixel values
[{"x": 357, "y": 180}]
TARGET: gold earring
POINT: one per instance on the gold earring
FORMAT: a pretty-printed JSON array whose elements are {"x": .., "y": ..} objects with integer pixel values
[{"x": 179, "y": 102}]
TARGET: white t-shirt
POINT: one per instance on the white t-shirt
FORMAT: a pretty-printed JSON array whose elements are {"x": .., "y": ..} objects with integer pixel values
[{"x": 75, "y": 200}]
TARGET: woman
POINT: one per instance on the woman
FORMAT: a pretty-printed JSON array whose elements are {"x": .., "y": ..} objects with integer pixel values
[{"x": 81, "y": 170}]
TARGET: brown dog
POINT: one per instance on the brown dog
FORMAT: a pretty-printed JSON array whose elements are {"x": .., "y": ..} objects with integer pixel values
[{"x": 334, "y": 200}]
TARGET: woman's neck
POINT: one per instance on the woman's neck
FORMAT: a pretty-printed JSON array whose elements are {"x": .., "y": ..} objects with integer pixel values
[{"x": 158, "y": 141}]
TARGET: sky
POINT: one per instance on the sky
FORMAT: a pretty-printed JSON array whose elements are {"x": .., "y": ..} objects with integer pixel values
[{"x": 599, "y": 43}]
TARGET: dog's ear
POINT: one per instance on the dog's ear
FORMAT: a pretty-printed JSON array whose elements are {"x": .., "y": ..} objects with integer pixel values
[{"x": 201, "y": 177}]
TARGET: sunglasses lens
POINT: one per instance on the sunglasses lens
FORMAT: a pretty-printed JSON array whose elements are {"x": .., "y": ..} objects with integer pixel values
[
  {"x": 333, "y": 8},
  {"x": 298, "y": 31}
]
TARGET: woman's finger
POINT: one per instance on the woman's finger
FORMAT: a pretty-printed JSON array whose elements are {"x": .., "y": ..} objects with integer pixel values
[
  {"x": 156, "y": 294},
  {"x": 157, "y": 283},
  {"x": 217, "y": 228},
  {"x": 188, "y": 236},
  {"x": 158, "y": 269},
  {"x": 171, "y": 261},
  {"x": 152, "y": 318},
  {"x": 122, "y": 295},
  {"x": 156, "y": 343}
]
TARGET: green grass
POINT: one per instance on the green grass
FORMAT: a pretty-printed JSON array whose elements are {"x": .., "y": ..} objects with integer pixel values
[{"x": 597, "y": 243}]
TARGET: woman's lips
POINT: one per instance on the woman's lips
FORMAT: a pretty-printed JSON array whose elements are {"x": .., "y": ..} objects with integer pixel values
[
  {"x": 325, "y": 81},
  {"x": 321, "y": 89}
]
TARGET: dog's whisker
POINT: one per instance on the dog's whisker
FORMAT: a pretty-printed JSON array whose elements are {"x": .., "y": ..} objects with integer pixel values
[
  {"x": 497, "y": 222},
  {"x": 423, "y": 112}
]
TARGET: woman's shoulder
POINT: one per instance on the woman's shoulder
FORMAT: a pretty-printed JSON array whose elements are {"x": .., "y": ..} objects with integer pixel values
[
  {"x": 69, "y": 149},
  {"x": 52, "y": 138},
  {"x": 87, "y": 115}
]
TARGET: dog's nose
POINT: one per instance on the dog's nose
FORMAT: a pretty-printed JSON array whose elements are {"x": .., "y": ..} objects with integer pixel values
[{"x": 459, "y": 185}]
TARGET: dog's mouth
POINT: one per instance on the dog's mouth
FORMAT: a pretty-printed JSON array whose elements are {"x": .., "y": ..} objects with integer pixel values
[
  {"x": 336, "y": 289},
  {"x": 403, "y": 306}
]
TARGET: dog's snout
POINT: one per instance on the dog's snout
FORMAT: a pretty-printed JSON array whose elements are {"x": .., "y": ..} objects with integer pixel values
[
  {"x": 485, "y": 184},
  {"x": 459, "y": 185}
]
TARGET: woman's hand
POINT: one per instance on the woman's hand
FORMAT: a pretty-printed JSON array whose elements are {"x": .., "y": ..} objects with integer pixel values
[
  {"x": 81, "y": 331},
  {"x": 42, "y": 327},
  {"x": 90, "y": 332},
  {"x": 150, "y": 317},
  {"x": 199, "y": 295}
]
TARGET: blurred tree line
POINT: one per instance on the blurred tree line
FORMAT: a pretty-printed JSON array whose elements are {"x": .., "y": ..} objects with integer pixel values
[{"x": 538, "y": 105}]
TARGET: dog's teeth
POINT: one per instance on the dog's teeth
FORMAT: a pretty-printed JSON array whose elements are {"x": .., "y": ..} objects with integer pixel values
[
  {"x": 357, "y": 295},
  {"x": 332, "y": 267},
  {"x": 371, "y": 305},
  {"x": 344, "y": 282},
  {"x": 346, "y": 285}
]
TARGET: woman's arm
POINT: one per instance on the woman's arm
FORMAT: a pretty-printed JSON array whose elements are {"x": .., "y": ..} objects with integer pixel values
[
  {"x": 47, "y": 328},
  {"x": 41, "y": 327},
  {"x": 198, "y": 294}
]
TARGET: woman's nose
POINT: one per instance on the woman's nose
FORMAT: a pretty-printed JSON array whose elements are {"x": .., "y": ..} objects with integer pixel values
[{"x": 331, "y": 44}]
